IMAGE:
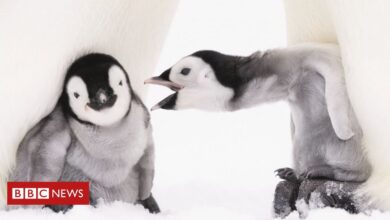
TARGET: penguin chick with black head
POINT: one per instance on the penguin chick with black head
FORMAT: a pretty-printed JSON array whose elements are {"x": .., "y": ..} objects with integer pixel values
[
  {"x": 99, "y": 132},
  {"x": 327, "y": 138}
]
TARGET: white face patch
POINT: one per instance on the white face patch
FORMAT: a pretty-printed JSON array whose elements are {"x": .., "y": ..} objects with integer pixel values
[
  {"x": 201, "y": 89},
  {"x": 78, "y": 99},
  {"x": 192, "y": 72}
]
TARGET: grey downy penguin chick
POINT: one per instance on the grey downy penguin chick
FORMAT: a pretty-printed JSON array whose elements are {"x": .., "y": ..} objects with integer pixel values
[
  {"x": 99, "y": 132},
  {"x": 327, "y": 138}
]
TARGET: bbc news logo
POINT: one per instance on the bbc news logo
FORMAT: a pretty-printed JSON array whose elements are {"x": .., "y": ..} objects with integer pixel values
[
  {"x": 47, "y": 193},
  {"x": 30, "y": 193}
]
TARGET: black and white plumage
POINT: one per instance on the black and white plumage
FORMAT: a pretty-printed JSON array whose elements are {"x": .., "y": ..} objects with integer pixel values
[
  {"x": 99, "y": 132},
  {"x": 327, "y": 138}
]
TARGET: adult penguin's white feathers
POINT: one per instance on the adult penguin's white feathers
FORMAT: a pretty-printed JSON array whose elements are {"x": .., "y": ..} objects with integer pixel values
[
  {"x": 359, "y": 27},
  {"x": 40, "y": 39}
]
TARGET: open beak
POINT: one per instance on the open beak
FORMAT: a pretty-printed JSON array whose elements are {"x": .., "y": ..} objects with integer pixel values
[
  {"x": 163, "y": 80},
  {"x": 168, "y": 103},
  {"x": 158, "y": 80}
]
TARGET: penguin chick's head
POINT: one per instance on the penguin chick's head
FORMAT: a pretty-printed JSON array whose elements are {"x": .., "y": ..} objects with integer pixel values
[
  {"x": 97, "y": 90},
  {"x": 204, "y": 80}
]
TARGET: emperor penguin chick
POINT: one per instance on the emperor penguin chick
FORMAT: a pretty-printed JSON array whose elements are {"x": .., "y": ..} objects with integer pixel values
[
  {"x": 326, "y": 136},
  {"x": 99, "y": 132}
]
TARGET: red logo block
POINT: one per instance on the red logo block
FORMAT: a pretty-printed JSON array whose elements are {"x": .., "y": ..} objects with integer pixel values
[{"x": 48, "y": 193}]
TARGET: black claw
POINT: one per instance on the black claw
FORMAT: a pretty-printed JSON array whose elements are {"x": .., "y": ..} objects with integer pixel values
[
  {"x": 287, "y": 174},
  {"x": 304, "y": 175},
  {"x": 151, "y": 205},
  {"x": 328, "y": 200},
  {"x": 312, "y": 175}
]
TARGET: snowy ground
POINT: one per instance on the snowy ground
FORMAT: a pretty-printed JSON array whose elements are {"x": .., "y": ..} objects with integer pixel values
[
  {"x": 213, "y": 165},
  {"x": 210, "y": 166}
]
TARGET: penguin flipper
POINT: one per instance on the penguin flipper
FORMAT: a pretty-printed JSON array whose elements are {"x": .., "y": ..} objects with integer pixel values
[{"x": 337, "y": 100}]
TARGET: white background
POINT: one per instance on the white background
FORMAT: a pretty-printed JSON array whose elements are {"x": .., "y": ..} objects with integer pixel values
[{"x": 221, "y": 160}]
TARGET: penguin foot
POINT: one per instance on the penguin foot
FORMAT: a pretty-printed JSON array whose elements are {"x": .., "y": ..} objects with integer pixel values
[
  {"x": 339, "y": 201},
  {"x": 285, "y": 196},
  {"x": 59, "y": 208},
  {"x": 339, "y": 195},
  {"x": 92, "y": 201},
  {"x": 150, "y": 204},
  {"x": 313, "y": 190},
  {"x": 287, "y": 174},
  {"x": 319, "y": 172},
  {"x": 320, "y": 193}
]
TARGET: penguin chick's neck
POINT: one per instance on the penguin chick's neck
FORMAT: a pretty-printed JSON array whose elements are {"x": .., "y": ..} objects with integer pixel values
[{"x": 261, "y": 78}]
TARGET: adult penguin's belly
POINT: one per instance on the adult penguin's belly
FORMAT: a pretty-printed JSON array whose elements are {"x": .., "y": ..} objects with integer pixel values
[{"x": 39, "y": 41}]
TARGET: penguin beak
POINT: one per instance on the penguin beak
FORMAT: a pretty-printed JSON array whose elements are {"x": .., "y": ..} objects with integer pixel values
[
  {"x": 163, "y": 80},
  {"x": 168, "y": 103},
  {"x": 102, "y": 100},
  {"x": 159, "y": 81}
]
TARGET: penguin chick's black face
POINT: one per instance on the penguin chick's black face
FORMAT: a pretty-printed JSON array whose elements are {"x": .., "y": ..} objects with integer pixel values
[
  {"x": 97, "y": 90},
  {"x": 196, "y": 80}
]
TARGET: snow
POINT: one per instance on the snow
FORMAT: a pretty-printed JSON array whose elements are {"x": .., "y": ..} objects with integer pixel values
[
  {"x": 303, "y": 208},
  {"x": 213, "y": 165}
]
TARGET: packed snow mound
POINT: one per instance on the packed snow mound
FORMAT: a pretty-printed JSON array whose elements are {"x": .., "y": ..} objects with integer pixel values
[{"x": 120, "y": 210}]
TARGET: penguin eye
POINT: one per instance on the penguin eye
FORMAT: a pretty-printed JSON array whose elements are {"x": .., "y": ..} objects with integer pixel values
[
  {"x": 76, "y": 95},
  {"x": 120, "y": 83},
  {"x": 185, "y": 71}
]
